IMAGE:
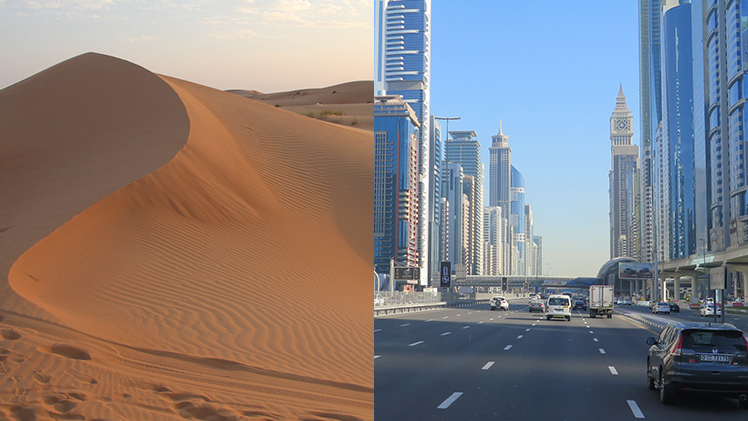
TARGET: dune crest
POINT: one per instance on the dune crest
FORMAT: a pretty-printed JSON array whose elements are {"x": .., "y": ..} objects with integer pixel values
[{"x": 241, "y": 255}]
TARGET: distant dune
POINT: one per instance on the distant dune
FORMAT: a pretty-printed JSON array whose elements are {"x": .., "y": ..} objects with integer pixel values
[
  {"x": 347, "y": 104},
  {"x": 171, "y": 251}
]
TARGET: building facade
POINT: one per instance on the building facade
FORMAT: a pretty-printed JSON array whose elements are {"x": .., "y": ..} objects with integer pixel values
[
  {"x": 500, "y": 185},
  {"x": 623, "y": 179},
  {"x": 395, "y": 183}
]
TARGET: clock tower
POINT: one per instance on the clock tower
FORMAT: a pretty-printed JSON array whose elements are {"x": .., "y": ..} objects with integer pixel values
[
  {"x": 621, "y": 122},
  {"x": 624, "y": 183}
]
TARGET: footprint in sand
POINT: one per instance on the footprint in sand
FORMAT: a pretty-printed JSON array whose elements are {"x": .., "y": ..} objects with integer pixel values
[
  {"x": 204, "y": 412},
  {"x": 81, "y": 377},
  {"x": 60, "y": 404},
  {"x": 40, "y": 377},
  {"x": 10, "y": 334},
  {"x": 67, "y": 351}
]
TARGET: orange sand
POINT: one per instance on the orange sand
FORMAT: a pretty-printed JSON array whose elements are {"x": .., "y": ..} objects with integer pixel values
[{"x": 173, "y": 251}]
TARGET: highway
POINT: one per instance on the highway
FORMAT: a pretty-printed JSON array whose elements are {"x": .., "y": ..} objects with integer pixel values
[{"x": 471, "y": 363}]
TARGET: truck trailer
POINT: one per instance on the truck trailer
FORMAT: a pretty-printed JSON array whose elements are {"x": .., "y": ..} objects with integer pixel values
[{"x": 601, "y": 300}]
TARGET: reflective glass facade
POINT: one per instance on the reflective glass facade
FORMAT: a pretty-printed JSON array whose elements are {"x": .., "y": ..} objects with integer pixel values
[{"x": 677, "y": 128}]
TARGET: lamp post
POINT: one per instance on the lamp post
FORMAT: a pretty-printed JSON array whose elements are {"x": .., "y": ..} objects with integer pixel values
[{"x": 447, "y": 120}]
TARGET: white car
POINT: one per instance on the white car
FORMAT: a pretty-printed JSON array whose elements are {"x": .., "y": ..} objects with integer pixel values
[
  {"x": 499, "y": 302},
  {"x": 558, "y": 306},
  {"x": 661, "y": 307},
  {"x": 708, "y": 310}
]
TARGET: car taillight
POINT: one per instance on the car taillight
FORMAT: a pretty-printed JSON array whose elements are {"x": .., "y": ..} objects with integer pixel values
[{"x": 677, "y": 351}]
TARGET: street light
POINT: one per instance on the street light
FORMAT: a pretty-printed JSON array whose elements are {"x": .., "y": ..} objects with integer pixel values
[{"x": 447, "y": 120}]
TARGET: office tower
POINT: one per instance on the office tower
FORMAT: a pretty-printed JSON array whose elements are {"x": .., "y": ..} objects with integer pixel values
[
  {"x": 452, "y": 224},
  {"x": 517, "y": 223},
  {"x": 538, "y": 248},
  {"x": 500, "y": 183},
  {"x": 677, "y": 132},
  {"x": 435, "y": 199},
  {"x": 622, "y": 177},
  {"x": 403, "y": 54},
  {"x": 463, "y": 148},
  {"x": 700, "y": 124},
  {"x": 493, "y": 240},
  {"x": 529, "y": 234},
  {"x": 395, "y": 183}
]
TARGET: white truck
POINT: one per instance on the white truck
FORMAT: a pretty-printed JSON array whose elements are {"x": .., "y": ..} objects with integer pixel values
[{"x": 601, "y": 300}]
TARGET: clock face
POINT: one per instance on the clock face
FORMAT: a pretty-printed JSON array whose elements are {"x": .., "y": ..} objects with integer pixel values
[{"x": 622, "y": 125}]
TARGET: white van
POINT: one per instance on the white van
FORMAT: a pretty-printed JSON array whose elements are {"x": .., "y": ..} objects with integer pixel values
[{"x": 558, "y": 306}]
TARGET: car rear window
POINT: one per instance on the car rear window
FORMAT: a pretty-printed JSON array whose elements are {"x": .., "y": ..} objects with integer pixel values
[
  {"x": 727, "y": 341},
  {"x": 558, "y": 302}
]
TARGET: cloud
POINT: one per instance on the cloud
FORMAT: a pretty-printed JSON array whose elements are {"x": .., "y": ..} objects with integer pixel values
[
  {"x": 309, "y": 13},
  {"x": 142, "y": 38}
]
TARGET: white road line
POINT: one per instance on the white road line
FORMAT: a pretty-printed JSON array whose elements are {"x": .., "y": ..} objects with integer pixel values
[
  {"x": 595, "y": 339},
  {"x": 429, "y": 320},
  {"x": 450, "y": 400},
  {"x": 491, "y": 318},
  {"x": 446, "y": 333},
  {"x": 635, "y": 409},
  {"x": 405, "y": 324},
  {"x": 487, "y": 366},
  {"x": 519, "y": 337},
  {"x": 377, "y": 356},
  {"x": 591, "y": 331},
  {"x": 377, "y": 330},
  {"x": 527, "y": 330},
  {"x": 507, "y": 348},
  {"x": 480, "y": 323},
  {"x": 602, "y": 351},
  {"x": 445, "y": 317},
  {"x": 470, "y": 312},
  {"x": 613, "y": 370},
  {"x": 416, "y": 343},
  {"x": 466, "y": 327},
  {"x": 459, "y": 315},
  {"x": 534, "y": 324}
]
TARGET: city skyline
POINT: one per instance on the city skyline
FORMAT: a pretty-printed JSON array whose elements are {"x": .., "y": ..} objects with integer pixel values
[
  {"x": 264, "y": 45},
  {"x": 554, "y": 95}
]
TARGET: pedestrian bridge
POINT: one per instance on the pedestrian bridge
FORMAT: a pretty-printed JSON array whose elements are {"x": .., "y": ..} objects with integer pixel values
[{"x": 518, "y": 282}]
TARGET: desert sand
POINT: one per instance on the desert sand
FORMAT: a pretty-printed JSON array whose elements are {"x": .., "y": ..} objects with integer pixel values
[
  {"x": 347, "y": 104},
  {"x": 171, "y": 251}
]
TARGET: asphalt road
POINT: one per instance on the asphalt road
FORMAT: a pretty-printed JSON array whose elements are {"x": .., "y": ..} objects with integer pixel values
[{"x": 471, "y": 363}]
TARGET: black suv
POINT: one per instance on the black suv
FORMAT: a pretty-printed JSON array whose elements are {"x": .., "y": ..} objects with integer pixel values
[{"x": 700, "y": 358}]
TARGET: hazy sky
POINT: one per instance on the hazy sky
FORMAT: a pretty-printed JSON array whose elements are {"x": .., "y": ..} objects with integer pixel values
[
  {"x": 550, "y": 71},
  {"x": 266, "y": 45}
]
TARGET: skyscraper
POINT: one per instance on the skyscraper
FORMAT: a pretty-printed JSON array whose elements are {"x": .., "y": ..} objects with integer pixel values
[
  {"x": 453, "y": 249},
  {"x": 463, "y": 148},
  {"x": 623, "y": 177},
  {"x": 500, "y": 183},
  {"x": 402, "y": 59},
  {"x": 517, "y": 224},
  {"x": 395, "y": 183},
  {"x": 493, "y": 227}
]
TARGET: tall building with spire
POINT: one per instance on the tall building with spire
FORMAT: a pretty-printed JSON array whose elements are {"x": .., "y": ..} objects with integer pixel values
[
  {"x": 623, "y": 179},
  {"x": 500, "y": 188}
]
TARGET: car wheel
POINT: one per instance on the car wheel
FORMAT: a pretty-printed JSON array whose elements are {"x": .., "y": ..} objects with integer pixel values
[
  {"x": 492, "y": 309},
  {"x": 568, "y": 318},
  {"x": 743, "y": 404},
  {"x": 666, "y": 397},
  {"x": 548, "y": 318}
]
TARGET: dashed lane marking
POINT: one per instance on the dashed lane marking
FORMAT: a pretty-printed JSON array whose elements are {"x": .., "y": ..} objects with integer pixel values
[
  {"x": 613, "y": 370},
  {"x": 377, "y": 356},
  {"x": 595, "y": 339},
  {"x": 446, "y": 333},
  {"x": 635, "y": 409},
  {"x": 487, "y": 366},
  {"x": 591, "y": 331},
  {"x": 416, "y": 343},
  {"x": 445, "y": 317},
  {"x": 480, "y": 323},
  {"x": 466, "y": 327},
  {"x": 377, "y": 330},
  {"x": 527, "y": 330},
  {"x": 520, "y": 336},
  {"x": 602, "y": 351},
  {"x": 405, "y": 324},
  {"x": 449, "y": 401},
  {"x": 507, "y": 348}
]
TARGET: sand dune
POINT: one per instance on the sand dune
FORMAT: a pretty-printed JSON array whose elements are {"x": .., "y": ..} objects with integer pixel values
[
  {"x": 173, "y": 251},
  {"x": 347, "y": 104}
]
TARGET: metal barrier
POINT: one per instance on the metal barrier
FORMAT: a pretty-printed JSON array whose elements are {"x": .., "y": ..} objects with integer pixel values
[{"x": 407, "y": 302}]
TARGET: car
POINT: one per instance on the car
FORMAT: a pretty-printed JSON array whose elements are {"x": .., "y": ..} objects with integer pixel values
[
  {"x": 499, "y": 302},
  {"x": 661, "y": 307},
  {"x": 579, "y": 304},
  {"x": 558, "y": 306},
  {"x": 699, "y": 358},
  {"x": 674, "y": 307},
  {"x": 378, "y": 300},
  {"x": 708, "y": 310},
  {"x": 536, "y": 305}
]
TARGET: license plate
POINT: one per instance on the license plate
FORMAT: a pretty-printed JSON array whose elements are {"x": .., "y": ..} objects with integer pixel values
[
  {"x": 714, "y": 358},
  {"x": 557, "y": 309},
  {"x": 566, "y": 306}
]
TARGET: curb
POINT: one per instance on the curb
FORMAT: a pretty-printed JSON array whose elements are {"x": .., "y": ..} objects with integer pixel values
[
  {"x": 642, "y": 319},
  {"x": 425, "y": 307}
]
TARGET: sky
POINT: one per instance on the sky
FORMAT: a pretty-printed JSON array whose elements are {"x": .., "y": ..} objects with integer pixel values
[
  {"x": 550, "y": 71},
  {"x": 264, "y": 45}
]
